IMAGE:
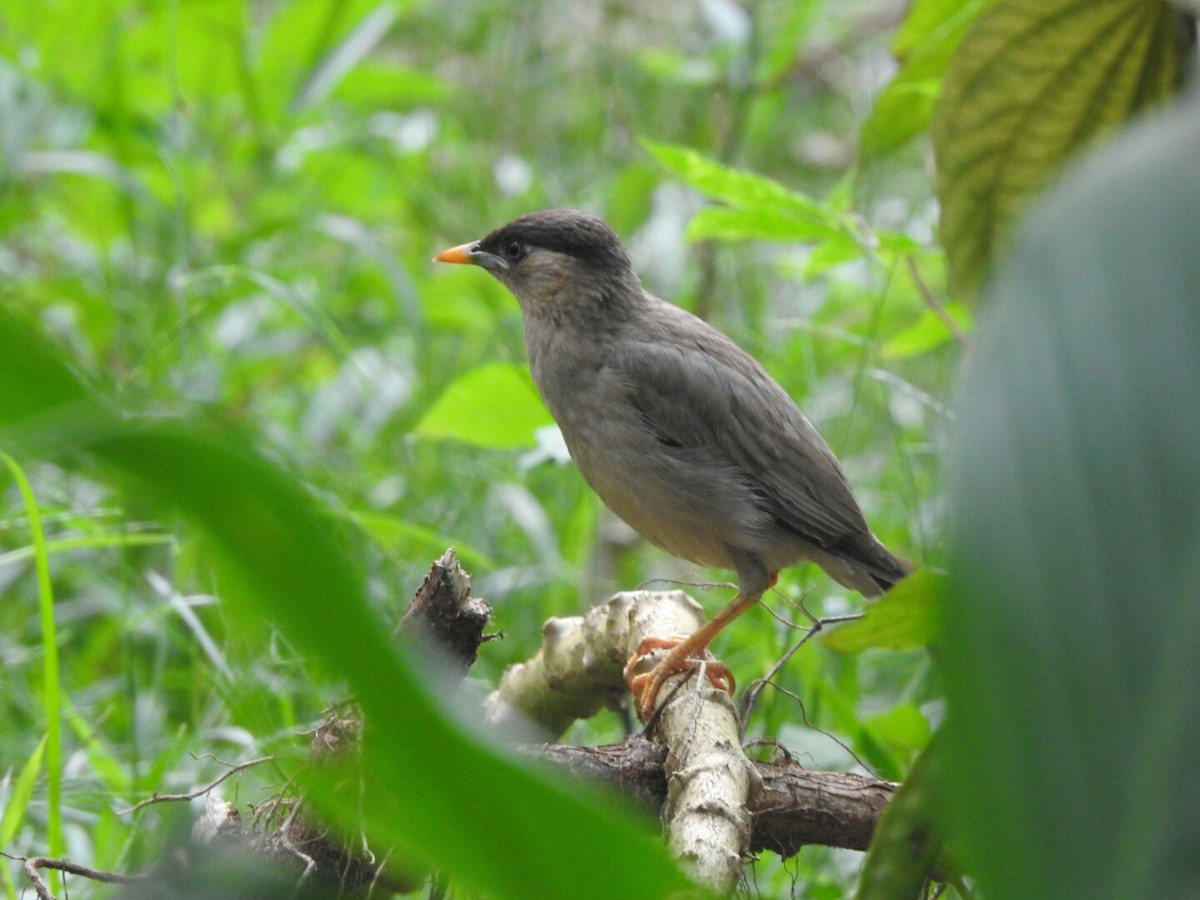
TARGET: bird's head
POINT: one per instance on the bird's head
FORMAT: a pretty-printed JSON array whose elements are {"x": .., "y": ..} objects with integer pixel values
[{"x": 556, "y": 262}]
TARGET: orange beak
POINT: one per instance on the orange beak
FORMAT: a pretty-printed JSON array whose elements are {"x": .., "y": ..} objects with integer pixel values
[{"x": 460, "y": 254}]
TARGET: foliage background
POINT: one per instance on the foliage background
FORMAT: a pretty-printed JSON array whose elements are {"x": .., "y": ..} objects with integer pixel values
[{"x": 226, "y": 211}]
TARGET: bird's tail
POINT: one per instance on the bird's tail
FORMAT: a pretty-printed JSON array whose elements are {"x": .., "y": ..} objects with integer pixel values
[{"x": 867, "y": 553}]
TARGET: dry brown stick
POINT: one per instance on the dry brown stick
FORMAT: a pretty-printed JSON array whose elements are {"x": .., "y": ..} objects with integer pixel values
[
  {"x": 33, "y": 863},
  {"x": 445, "y": 615}
]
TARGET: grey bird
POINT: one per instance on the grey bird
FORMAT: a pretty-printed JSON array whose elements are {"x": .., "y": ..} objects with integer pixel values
[{"x": 682, "y": 433}]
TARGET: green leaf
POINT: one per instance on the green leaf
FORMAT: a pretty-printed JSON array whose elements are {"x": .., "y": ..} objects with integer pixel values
[
  {"x": 738, "y": 188},
  {"x": 925, "y": 44},
  {"x": 903, "y": 727},
  {"x": 758, "y": 208},
  {"x": 789, "y": 26},
  {"x": 1071, "y": 624},
  {"x": 910, "y": 833},
  {"x": 928, "y": 333},
  {"x": 413, "y": 541},
  {"x": 904, "y": 618},
  {"x": 493, "y": 405},
  {"x": 51, "y": 685},
  {"x": 286, "y": 558},
  {"x": 900, "y": 112},
  {"x": 630, "y": 196},
  {"x": 832, "y": 251},
  {"x": 930, "y": 21},
  {"x": 727, "y": 224},
  {"x": 373, "y": 85},
  {"x": 1032, "y": 82}
]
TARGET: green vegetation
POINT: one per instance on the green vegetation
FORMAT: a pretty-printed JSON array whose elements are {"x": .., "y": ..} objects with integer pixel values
[{"x": 242, "y": 411}]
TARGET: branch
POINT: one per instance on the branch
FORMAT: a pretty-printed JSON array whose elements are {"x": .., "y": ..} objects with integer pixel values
[
  {"x": 795, "y": 806},
  {"x": 579, "y": 669},
  {"x": 33, "y": 863},
  {"x": 445, "y": 615},
  {"x": 936, "y": 306},
  {"x": 717, "y": 806}
]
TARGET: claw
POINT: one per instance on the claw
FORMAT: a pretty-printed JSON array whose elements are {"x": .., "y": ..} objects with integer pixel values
[{"x": 645, "y": 686}]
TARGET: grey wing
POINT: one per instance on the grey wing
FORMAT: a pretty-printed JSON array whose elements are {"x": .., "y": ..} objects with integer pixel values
[{"x": 700, "y": 392}]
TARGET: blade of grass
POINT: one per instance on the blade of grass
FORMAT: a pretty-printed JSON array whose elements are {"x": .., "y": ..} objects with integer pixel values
[
  {"x": 50, "y": 681},
  {"x": 88, "y": 541},
  {"x": 18, "y": 802}
]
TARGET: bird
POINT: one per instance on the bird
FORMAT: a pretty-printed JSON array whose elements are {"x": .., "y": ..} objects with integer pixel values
[{"x": 680, "y": 431}]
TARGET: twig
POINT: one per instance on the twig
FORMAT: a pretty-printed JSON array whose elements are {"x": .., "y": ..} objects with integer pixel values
[
  {"x": 199, "y": 792},
  {"x": 310, "y": 864},
  {"x": 33, "y": 863},
  {"x": 833, "y": 737},
  {"x": 936, "y": 306},
  {"x": 750, "y": 698}
]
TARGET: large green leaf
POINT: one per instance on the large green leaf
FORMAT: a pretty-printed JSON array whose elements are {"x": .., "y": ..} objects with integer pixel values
[
  {"x": 287, "y": 558},
  {"x": 1072, "y": 624},
  {"x": 1031, "y": 82}
]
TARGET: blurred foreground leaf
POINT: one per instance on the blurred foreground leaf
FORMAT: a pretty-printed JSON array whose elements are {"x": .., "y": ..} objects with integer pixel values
[
  {"x": 910, "y": 833},
  {"x": 292, "y": 562},
  {"x": 1072, "y": 622}
]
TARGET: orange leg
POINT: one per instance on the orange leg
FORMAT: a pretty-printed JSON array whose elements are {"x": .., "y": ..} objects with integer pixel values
[
  {"x": 715, "y": 671},
  {"x": 681, "y": 658}
]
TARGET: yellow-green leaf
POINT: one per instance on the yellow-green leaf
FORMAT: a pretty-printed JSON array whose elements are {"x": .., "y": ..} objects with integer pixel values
[
  {"x": 906, "y": 617},
  {"x": 928, "y": 332},
  {"x": 1032, "y": 81},
  {"x": 928, "y": 21},
  {"x": 903, "y": 726},
  {"x": 738, "y": 188},
  {"x": 723, "y": 223},
  {"x": 925, "y": 44},
  {"x": 493, "y": 405}
]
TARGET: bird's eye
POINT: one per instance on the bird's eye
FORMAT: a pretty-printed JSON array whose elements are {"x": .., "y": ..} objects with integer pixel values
[{"x": 514, "y": 250}]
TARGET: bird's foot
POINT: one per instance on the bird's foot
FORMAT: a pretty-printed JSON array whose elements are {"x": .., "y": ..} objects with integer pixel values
[{"x": 646, "y": 685}]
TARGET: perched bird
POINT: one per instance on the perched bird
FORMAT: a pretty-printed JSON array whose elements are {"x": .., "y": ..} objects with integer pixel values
[{"x": 681, "y": 432}]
